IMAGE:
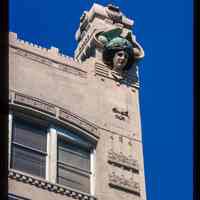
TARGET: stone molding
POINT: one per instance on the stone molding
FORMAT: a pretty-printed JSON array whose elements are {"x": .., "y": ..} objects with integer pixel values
[
  {"x": 34, "y": 103},
  {"x": 53, "y": 110},
  {"x": 122, "y": 161},
  {"x": 43, "y": 184},
  {"x": 120, "y": 182},
  {"x": 67, "y": 68},
  {"x": 66, "y": 115}
]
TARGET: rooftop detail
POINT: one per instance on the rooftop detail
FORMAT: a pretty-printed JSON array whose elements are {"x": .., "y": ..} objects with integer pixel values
[{"x": 52, "y": 53}]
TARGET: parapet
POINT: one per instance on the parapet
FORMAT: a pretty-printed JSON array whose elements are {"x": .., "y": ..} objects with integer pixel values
[{"x": 52, "y": 53}]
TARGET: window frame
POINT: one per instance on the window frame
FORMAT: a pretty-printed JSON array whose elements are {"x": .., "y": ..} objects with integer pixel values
[
  {"x": 53, "y": 131},
  {"x": 15, "y": 118},
  {"x": 62, "y": 133}
]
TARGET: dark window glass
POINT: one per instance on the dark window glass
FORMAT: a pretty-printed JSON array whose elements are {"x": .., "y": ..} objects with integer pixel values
[
  {"x": 73, "y": 165},
  {"x": 16, "y": 197},
  {"x": 29, "y": 134},
  {"x": 28, "y": 148}
]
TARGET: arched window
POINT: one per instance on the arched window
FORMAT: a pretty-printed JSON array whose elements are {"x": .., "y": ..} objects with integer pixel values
[{"x": 61, "y": 155}]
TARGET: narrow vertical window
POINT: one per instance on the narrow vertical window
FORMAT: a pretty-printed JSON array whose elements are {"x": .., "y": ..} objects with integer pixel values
[
  {"x": 28, "y": 147},
  {"x": 73, "y": 164}
]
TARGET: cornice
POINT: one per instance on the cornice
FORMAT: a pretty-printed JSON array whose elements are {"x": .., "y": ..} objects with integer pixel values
[{"x": 51, "y": 187}]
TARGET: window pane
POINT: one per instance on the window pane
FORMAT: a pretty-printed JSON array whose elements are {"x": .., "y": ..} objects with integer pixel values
[
  {"x": 30, "y": 135},
  {"x": 73, "y": 165},
  {"x": 68, "y": 177},
  {"x": 28, "y": 161},
  {"x": 73, "y": 155}
]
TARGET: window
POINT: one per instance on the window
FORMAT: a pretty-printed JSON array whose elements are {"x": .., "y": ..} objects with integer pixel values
[
  {"x": 73, "y": 164},
  {"x": 28, "y": 151},
  {"x": 59, "y": 155}
]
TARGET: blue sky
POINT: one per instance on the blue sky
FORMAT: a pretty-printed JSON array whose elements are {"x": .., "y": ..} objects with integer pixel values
[{"x": 164, "y": 29}]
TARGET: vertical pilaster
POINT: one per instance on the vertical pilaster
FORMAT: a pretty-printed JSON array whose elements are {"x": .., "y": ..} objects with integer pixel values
[
  {"x": 10, "y": 121},
  {"x": 93, "y": 175},
  {"x": 52, "y": 151}
]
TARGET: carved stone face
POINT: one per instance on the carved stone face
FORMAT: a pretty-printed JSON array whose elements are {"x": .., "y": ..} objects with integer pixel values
[{"x": 120, "y": 60}]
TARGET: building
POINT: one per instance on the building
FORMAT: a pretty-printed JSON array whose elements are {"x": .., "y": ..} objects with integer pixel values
[{"x": 74, "y": 123}]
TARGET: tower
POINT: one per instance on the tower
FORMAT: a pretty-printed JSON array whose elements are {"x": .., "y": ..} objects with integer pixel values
[{"x": 74, "y": 123}]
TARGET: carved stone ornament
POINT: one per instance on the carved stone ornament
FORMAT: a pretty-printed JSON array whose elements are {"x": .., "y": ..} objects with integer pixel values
[
  {"x": 45, "y": 185},
  {"x": 120, "y": 113},
  {"x": 120, "y": 182},
  {"x": 122, "y": 161},
  {"x": 120, "y": 50},
  {"x": 114, "y": 13}
]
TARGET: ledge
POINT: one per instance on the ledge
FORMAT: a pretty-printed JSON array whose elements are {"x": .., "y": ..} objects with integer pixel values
[
  {"x": 53, "y": 111},
  {"x": 40, "y": 183},
  {"x": 67, "y": 65}
]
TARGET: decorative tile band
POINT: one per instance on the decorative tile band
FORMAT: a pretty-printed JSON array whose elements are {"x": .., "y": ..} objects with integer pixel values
[
  {"x": 35, "y": 103},
  {"x": 122, "y": 161},
  {"x": 120, "y": 182},
  {"x": 49, "y": 186}
]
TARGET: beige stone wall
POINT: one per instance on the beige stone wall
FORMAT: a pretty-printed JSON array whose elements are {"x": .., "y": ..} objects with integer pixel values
[{"x": 59, "y": 80}]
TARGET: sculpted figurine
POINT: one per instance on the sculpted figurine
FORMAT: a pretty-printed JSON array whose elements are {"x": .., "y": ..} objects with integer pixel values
[{"x": 120, "y": 53}]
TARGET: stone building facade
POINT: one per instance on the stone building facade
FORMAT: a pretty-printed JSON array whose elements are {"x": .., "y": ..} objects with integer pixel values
[{"x": 74, "y": 123}]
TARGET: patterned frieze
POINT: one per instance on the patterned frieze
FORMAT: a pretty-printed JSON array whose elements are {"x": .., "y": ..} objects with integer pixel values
[
  {"x": 119, "y": 159},
  {"x": 67, "y": 116},
  {"x": 122, "y": 183},
  {"x": 43, "y": 184},
  {"x": 35, "y": 103}
]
